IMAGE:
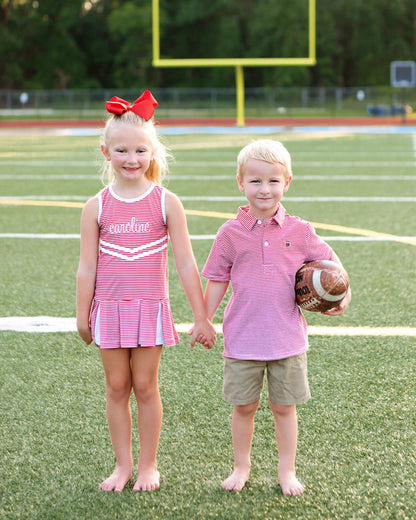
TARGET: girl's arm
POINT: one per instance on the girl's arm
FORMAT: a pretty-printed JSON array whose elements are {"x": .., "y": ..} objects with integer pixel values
[
  {"x": 203, "y": 331},
  {"x": 87, "y": 267},
  {"x": 343, "y": 304}
]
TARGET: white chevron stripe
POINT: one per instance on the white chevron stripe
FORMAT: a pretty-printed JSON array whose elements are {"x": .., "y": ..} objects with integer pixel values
[
  {"x": 134, "y": 257},
  {"x": 134, "y": 249}
]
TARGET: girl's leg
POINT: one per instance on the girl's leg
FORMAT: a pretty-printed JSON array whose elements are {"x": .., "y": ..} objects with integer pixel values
[
  {"x": 242, "y": 432},
  {"x": 286, "y": 428},
  {"x": 117, "y": 370},
  {"x": 145, "y": 367}
]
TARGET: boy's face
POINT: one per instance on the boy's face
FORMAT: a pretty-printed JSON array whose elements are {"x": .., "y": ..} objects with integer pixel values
[{"x": 263, "y": 184}]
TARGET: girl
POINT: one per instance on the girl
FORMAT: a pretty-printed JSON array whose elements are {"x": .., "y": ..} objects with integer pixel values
[{"x": 122, "y": 283}]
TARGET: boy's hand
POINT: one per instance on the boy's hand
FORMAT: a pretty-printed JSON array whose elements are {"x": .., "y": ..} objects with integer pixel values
[
  {"x": 203, "y": 333},
  {"x": 341, "y": 307}
]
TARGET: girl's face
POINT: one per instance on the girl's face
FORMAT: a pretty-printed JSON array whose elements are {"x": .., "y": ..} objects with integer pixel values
[
  {"x": 130, "y": 151},
  {"x": 263, "y": 184}
]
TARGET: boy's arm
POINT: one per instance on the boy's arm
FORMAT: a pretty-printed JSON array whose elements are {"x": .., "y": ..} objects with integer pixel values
[
  {"x": 214, "y": 293},
  {"x": 343, "y": 304},
  {"x": 203, "y": 331},
  {"x": 87, "y": 268}
]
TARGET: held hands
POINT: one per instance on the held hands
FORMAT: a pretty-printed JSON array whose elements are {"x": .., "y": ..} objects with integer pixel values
[
  {"x": 341, "y": 307},
  {"x": 204, "y": 333}
]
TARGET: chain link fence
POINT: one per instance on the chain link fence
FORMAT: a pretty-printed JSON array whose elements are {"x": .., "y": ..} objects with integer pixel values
[{"x": 213, "y": 102}]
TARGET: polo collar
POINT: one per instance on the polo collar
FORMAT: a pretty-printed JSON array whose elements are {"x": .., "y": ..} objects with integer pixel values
[{"x": 249, "y": 221}]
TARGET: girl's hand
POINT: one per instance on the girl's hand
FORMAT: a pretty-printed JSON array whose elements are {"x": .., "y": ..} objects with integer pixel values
[
  {"x": 85, "y": 334},
  {"x": 203, "y": 333}
]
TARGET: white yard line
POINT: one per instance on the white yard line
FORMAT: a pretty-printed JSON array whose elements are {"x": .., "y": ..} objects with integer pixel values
[
  {"x": 231, "y": 198},
  {"x": 212, "y": 177},
  {"x": 81, "y": 198},
  {"x": 339, "y": 238},
  {"x": 304, "y": 199},
  {"x": 46, "y": 177},
  {"x": 231, "y": 164},
  {"x": 43, "y": 236},
  {"x": 55, "y": 324},
  {"x": 43, "y": 163}
]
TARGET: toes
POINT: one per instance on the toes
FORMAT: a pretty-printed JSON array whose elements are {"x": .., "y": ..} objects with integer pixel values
[
  {"x": 115, "y": 482},
  {"x": 147, "y": 483}
]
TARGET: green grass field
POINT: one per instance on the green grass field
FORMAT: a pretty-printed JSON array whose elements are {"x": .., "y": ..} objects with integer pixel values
[{"x": 357, "y": 434}]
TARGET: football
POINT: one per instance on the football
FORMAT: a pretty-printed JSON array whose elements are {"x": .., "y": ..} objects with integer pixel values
[{"x": 320, "y": 285}]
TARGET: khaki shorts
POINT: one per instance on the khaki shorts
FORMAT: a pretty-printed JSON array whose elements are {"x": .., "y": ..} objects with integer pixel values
[{"x": 287, "y": 380}]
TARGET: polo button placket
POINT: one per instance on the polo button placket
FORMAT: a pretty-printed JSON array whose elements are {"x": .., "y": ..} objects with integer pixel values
[{"x": 267, "y": 249}]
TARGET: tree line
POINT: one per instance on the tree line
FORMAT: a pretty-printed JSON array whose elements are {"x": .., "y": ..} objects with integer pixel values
[{"x": 45, "y": 44}]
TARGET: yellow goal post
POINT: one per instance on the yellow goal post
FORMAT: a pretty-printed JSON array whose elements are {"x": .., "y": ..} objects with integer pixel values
[{"x": 237, "y": 63}]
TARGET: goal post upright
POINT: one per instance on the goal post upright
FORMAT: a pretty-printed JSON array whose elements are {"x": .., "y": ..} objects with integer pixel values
[
  {"x": 312, "y": 31},
  {"x": 239, "y": 87},
  {"x": 155, "y": 32},
  {"x": 237, "y": 63}
]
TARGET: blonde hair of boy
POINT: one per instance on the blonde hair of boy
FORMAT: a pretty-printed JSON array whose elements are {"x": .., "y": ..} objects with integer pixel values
[{"x": 267, "y": 150}]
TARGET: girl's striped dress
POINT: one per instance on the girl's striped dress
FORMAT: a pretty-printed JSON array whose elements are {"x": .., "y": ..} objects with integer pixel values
[{"x": 131, "y": 302}]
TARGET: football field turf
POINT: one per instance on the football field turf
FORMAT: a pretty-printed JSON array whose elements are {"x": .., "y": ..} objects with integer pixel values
[{"x": 356, "y": 435}]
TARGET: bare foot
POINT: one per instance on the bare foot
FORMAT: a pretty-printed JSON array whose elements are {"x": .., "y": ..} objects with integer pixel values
[
  {"x": 147, "y": 481},
  {"x": 237, "y": 480},
  {"x": 117, "y": 480},
  {"x": 290, "y": 484}
]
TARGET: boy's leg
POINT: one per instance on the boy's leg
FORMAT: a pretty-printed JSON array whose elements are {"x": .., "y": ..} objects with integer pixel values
[
  {"x": 286, "y": 428},
  {"x": 242, "y": 432},
  {"x": 145, "y": 367},
  {"x": 116, "y": 363}
]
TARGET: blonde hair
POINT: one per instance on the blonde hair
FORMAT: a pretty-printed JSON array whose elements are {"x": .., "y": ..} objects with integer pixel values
[
  {"x": 158, "y": 166},
  {"x": 265, "y": 150}
]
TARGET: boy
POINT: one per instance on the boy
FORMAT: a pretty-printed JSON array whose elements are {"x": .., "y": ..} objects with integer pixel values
[{"x": 259, "y": 252}]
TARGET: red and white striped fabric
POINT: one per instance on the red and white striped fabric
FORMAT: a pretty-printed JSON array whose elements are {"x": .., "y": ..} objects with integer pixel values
[
  {"x": 131, "y": 302},
  {"x": 260, "y": 257}
]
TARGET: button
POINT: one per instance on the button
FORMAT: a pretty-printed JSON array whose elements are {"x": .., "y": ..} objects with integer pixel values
[
  {"x": 266, "y": 243},
  {"x": 259, "y": 222}
]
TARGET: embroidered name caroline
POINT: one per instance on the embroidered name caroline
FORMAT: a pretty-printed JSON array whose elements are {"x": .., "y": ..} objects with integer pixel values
[{"x": 130, "y": 227}]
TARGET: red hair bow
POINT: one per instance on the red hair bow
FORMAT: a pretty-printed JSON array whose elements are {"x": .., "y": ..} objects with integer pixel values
[{"x": 144, "y": 106}]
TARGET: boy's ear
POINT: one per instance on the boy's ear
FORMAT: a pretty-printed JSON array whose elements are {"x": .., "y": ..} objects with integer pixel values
[
  {"x": 105, "y": 152},
  {"x": 287, "y": 184},
  {"x": 240, "y": 183}
]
